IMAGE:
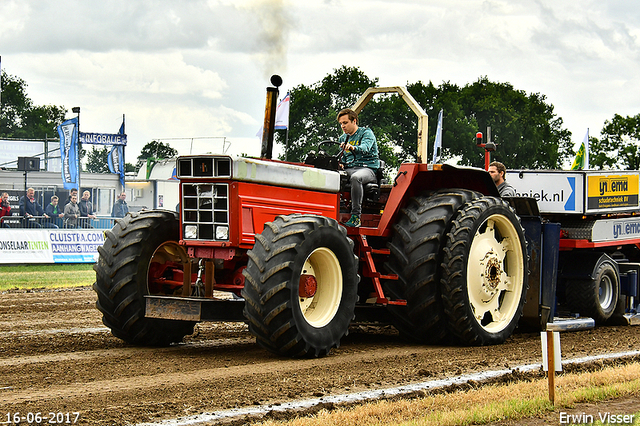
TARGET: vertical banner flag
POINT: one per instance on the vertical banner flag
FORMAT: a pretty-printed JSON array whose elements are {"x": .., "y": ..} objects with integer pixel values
[
  {"x": 116, "y": 163},
  {"x": 68, "y": 132},
  {"x": 437, "y": 145},
  {"x": 115, "y": 159},
  {"x": 282, "y": 114},
  {"x": 581, "y": 162}
]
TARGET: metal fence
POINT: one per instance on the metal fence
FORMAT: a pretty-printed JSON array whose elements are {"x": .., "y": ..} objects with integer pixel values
[{"x": 100, "y": 222}]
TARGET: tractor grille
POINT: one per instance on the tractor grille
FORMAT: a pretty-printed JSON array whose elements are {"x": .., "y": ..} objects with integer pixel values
[
  {"x": 203, "y": 167},
  {"x": 205, "y": 211}
]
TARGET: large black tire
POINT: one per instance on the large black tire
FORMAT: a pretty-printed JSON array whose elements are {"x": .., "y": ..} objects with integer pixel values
[
  {"x": 291, "y": 251},
  {"x": 121, "y": 277},
  {"x": 596, "y": 298},
  {"x": 484, "y": 272},
  {"x": 416, "y": 257}
]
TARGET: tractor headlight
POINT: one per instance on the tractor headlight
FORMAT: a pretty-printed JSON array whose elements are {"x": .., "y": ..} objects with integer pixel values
[
  {"x": 190, "y": 232},
  {"x": 222, "y": 232}
]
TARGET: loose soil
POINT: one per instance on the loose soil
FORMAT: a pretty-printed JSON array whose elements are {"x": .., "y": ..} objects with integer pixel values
[{"x": 56, "y": 356}]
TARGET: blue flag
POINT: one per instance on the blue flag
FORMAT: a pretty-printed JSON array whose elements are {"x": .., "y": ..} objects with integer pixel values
[
  {"x": 116, "y": 163},
  {"x": 68, "y": 132},
  {"x": 115, "y": 159}
]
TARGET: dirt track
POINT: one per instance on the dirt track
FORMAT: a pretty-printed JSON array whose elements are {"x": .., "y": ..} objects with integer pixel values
[{"x": 56, "y": 356}]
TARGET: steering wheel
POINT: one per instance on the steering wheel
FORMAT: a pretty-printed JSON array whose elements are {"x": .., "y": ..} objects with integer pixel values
[{"x": 333, "y": 142}]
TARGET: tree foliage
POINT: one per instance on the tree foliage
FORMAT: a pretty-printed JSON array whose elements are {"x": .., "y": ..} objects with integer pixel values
[
  {"x": 524, "y": 127},
  {"x": 619, "y": 146},
  {"x": 20, "y": 118},
  {"x": 157, "y": 150},
  {"x": 97, "y": 160},
  {"x": 312, "y": 117}
]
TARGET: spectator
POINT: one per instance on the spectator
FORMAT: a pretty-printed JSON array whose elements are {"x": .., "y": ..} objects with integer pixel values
[
  {"x": 72, "y": 191},
  {"x": 54, "y": 211},
  {"x": 72, "y": 212},
  {"x": 30, "y": 208},
  {"x": 498, "y": 173},
  {"x": 5, "y": 208},
  {"x": 86, "y": 210},
  {"x": 120, "y": 208}
]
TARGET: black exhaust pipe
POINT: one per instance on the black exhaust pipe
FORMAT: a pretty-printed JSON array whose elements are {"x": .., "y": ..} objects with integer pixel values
[{"x": 268, "y": 129}]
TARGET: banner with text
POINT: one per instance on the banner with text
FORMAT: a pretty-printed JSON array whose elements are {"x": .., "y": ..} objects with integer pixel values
[
  {"x": 103, "y": 138},
  {"x": 50, "y": 245},
  {"x": 68, "y": 132}
]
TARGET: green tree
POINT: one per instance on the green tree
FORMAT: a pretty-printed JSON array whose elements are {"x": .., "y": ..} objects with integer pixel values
[
  {"x": 20, "y": 118},
  {"x": 312, "y": 117},
  {"x": 524, "y": 126},
  {"x": 619, "y": 146},
  {"x": 97, "y": 160},
  {"x": 157, "y": 150}
]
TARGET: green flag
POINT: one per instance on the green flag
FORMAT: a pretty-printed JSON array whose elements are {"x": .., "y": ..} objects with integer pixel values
[
  {"x": 578, "y": 163},
  {"x": 151, "y": 161}
]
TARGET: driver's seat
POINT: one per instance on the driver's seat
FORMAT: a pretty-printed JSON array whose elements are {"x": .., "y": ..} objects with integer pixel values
[{"x": 372, "y": 190}]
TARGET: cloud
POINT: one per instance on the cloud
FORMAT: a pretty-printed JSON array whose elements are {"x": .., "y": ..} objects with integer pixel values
[{"x": 199, "y": 68}]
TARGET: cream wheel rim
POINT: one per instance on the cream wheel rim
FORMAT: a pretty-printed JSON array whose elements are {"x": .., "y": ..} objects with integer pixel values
[
  {"x": 495, "y": 273},
  {"x": 319, "y": 309}
]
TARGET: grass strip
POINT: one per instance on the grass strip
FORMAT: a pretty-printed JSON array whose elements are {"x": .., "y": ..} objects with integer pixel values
[
  {"x": 49, "y": 276},
  {"x": 486, "y": 404}
]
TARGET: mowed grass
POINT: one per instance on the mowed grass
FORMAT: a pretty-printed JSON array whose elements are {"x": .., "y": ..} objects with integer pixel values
[
  {"x": 512, "y": 403},
  {"x": 58, "y": 275}
]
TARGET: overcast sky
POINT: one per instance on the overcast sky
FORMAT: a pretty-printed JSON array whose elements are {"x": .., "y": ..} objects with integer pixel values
[{"x": 194, "y": 69}]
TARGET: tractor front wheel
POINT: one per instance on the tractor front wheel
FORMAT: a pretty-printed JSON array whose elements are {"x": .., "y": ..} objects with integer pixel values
[
  {"x": 138, "y": 245},
  {"x": 301, "y": 285}
]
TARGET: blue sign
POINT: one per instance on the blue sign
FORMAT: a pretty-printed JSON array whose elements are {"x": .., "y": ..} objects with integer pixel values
[{"x": 103, "y": 138}]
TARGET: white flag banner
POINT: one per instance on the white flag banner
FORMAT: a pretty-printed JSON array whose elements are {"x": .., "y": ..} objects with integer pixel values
[
  {"x": 437, "y": 145},
  {"x": 282, "y": 113}
]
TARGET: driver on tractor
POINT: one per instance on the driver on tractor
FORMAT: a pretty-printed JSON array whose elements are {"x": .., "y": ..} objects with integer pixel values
[{"x": 360, "y": 159}]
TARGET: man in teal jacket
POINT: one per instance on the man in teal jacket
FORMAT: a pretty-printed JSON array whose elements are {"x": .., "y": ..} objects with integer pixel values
[{"x": 360, "y": 159}]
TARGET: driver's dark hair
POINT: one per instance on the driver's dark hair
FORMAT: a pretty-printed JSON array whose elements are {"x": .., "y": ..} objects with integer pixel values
[{"x": 348, "y": 112}]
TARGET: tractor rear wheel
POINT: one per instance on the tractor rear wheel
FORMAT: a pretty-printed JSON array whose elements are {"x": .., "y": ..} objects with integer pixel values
[
  {"x": 596, "y": 298},
  {"x": 416, "y": 257},
  {"x": 301, "y": 285},
  {"x": 132, "y": 248},
  {"x": 484, "y": 277}
]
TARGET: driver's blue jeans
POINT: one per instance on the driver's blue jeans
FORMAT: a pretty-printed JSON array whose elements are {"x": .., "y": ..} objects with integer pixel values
[{"x": 358, "y": 177}]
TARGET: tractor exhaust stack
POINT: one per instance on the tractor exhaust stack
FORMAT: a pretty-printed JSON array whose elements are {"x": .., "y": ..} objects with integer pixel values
[{"x": 268, "y": 129}]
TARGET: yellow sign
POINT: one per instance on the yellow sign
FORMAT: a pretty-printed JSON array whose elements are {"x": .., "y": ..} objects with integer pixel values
[{"x": 612, "y": 191}]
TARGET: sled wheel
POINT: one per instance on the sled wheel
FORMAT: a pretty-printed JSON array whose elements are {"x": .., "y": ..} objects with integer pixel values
[
  {"x": 133, "y": 249},
  {"x": 415, "y": 258},
  {"x": 484, "y": 277},
  {"x": 301, "y": 285},
  {"x": 596, "y": 298}
]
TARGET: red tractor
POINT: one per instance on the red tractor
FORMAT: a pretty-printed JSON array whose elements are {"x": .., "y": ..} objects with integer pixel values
[{"x": 439, "y": 253}]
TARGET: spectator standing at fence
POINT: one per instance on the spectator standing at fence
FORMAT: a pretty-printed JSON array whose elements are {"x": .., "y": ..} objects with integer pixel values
[
  {"x": 5, "y": 208},
  {"x": 72, "y": 191},
  {"x": 30, "y": 208},
  {"x": 120, "y": 208},
  {"x": 54, "y": 211},
  {"x": 86, "y": 210},
  {"x": 72, "y": 212}
]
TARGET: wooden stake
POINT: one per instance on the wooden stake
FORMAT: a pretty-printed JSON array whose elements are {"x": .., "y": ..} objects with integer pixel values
[{"x": 551, "y": 367}]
